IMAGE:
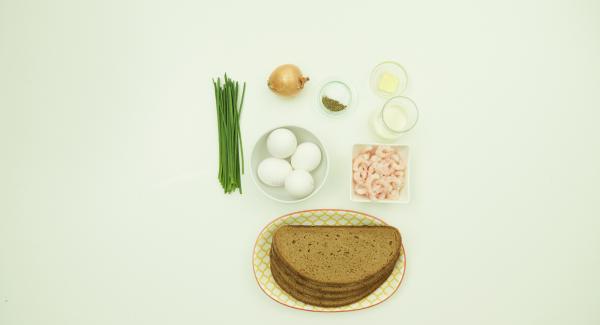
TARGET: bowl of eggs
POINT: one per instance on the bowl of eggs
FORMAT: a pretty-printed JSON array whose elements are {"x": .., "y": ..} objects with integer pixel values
[{"x": 289, "y": 164}]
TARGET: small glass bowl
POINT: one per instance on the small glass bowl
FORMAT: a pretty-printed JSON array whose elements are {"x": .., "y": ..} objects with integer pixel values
[
  {"x": 397, "y": 108},
  {"x": 394, "y": 69},
  {"x": 338, "y": 89}
]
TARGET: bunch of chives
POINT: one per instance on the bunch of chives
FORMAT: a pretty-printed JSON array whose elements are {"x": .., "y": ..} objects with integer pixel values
[{"x": 231, "y": 155}]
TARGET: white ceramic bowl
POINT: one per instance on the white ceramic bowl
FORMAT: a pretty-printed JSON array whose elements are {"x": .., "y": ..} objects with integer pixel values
[
  {"x": 404, "y": 192},
  {"x": 279, "y": 194}
]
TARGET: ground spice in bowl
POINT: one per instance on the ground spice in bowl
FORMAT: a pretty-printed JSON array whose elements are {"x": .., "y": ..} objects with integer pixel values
[
  {"x": 335, "y": 98},
  {"x": 332, "y": 104}
]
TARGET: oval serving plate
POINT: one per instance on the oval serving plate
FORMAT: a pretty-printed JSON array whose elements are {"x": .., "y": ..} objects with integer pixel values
[{"x": 328, "y": 217}]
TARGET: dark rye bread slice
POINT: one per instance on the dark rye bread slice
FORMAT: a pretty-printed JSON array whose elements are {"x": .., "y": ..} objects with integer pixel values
[
  {"x": 337, "y": 255},
  {"x": 309, "y": 285},
  {"x": 327, "y": 289},
  {"x": 300, "y": 286},
  {"x": 322, "y": 301},
  {"x": 303, "y": 288},
  {"x": 334, "y": 287}
]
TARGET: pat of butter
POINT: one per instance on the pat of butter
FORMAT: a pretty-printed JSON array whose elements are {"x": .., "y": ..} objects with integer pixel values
[{"x": 388, "y": 83}]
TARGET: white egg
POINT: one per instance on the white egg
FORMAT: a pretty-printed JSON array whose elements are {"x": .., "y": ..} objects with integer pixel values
[
  {"x": 307, "y": 157},
  {"x": 281, "y": 143},
  {"x": 273, "y": 171},
  {"x": 299, "y": 183}
]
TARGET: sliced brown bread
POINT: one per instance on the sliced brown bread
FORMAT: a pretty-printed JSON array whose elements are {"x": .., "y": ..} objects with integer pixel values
[
  {"x": 324, "y": 290},
  {"x": 337, "y": 255},
  {"x": 300, "y": 286},
  {"x": 294, "y": 291}
]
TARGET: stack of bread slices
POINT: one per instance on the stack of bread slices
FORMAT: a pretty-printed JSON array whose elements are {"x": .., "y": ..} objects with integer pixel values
[{"x": 332, "y": 266}]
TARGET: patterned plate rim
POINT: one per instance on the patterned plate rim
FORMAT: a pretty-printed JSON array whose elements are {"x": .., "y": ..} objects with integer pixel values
[{"x": 323, "y": 310}]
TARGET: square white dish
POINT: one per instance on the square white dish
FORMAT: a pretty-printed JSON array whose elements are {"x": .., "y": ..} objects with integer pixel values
[{"x": 404, "y": 151}]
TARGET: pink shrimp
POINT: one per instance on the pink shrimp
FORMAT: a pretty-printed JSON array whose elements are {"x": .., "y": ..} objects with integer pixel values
[
  {"x": 378, "y": 173},
  {"x": 369, "y": 184},
  {"x": 356, "y": 177},
  {"x": 363, "y": 172},
  {"x": 399, "y": 173},
  {"x": 371, "y": 169},
  {"x": 356, "y": 162},
  {"x": 387, "y": 169},
  {"x": 380, "y": 196},
  {"x": 375, "y": 158},
  {"x": 389, "y": 183},
  {"x": 360, "y": 190}
]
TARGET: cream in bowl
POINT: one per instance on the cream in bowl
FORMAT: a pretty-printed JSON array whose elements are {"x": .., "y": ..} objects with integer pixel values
[{"x": 397, "y": 116}]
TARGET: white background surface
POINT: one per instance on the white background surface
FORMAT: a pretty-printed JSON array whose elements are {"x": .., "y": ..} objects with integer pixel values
[{"x": 111, "y": 212}]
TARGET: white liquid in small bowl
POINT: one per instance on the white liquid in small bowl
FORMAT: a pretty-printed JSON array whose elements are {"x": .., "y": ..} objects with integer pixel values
[{"x": 396, "y": 117}]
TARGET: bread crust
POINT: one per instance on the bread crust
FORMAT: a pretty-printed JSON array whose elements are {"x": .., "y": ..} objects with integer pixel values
[{"x": 323, "y": 301}]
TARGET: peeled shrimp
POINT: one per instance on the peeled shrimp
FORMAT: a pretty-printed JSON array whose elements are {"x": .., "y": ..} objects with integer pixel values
[{"x": 378, "y": 173}]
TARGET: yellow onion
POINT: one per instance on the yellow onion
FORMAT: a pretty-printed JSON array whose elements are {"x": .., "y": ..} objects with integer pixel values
[{"x": 287, "y": 80}]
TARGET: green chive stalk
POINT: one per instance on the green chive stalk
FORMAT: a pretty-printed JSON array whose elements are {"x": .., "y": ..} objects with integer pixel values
[{"x": 229, "y": 105}]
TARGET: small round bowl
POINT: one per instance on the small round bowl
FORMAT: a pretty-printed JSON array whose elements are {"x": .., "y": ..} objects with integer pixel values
[
  {"x": 337, "y": 87},
  {"x": 394, "y": 69},
  {"x": 279, "y": 194},
  {"x": 400, "y": 107}
]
